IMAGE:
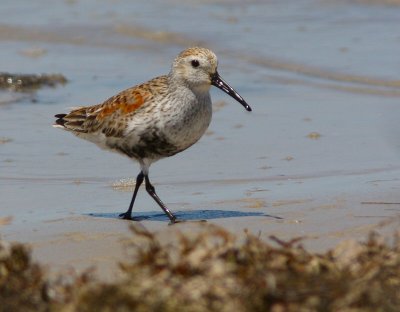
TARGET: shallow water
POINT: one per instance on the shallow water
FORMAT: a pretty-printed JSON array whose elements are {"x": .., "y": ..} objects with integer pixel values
[{"x": 323, "y": 67}]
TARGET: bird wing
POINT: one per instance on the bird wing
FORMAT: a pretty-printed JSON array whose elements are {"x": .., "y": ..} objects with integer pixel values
[{"x": 108, "y": 117}]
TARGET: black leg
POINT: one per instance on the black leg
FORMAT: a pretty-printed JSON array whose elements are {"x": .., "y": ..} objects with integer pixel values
[
  {"x": 152, "y": 192},
  {"x": 128, "y": 214}
]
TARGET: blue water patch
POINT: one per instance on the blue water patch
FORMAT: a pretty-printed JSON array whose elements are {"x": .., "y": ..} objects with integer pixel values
[{"x": 192, "y": 215}]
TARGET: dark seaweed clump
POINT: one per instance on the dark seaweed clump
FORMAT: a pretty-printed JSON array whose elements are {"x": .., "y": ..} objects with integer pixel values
[
  {"x": 213, "y": 271},
  {"x": 29, "y": 82},
  {"x": 22, "y": 284}
]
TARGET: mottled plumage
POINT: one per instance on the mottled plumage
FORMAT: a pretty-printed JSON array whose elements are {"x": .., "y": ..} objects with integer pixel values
[{"x": 156, "y": 119}]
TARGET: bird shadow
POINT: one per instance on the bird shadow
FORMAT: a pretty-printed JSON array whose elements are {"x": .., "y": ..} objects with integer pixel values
[{"x": 192, "y": 215}]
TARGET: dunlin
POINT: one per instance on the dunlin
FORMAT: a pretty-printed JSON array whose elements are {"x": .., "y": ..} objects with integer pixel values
[{"x": 156, "y": 119}]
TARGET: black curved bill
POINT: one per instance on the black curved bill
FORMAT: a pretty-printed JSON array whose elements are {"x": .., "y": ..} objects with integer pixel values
[{"x": 217, "y": 81}]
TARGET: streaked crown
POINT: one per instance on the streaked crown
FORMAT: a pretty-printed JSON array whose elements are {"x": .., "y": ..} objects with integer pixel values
[{"x": 194, "y": 67}]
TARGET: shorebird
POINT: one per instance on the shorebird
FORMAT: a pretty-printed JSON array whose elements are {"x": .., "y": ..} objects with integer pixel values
[{"x": 156, "y": 119}]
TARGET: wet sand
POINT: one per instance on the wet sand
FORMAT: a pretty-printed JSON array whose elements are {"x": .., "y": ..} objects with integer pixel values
[{"x": 319, "y": 156}]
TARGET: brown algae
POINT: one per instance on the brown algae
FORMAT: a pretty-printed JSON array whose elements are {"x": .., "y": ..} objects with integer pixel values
[{"x": 212, "y": 270}]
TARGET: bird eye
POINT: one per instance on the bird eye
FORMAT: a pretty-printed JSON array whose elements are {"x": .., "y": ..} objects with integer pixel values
[{"x": 195, "y": 63}]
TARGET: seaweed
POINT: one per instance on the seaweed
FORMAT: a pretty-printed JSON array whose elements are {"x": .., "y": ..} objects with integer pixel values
[
  {"x": 213, "y": 270},
  {"x": 22, "y": 284},
  {"x": 29, "y": 82}
]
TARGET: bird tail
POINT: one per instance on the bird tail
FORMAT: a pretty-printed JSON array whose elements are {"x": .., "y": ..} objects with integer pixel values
[
  {"x": 60, "y": 121},
  {"x": 74, "y": 121}
]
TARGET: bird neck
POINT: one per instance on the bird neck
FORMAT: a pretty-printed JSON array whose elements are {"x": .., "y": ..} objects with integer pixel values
[{"x": 199, "y": 89}]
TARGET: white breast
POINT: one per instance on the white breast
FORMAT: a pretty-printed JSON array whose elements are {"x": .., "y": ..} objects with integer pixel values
[{"x": 186, "y": 118}]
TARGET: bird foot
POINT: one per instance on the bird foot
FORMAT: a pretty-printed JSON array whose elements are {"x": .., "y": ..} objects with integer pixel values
[{"x": 126, "y": 216}]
